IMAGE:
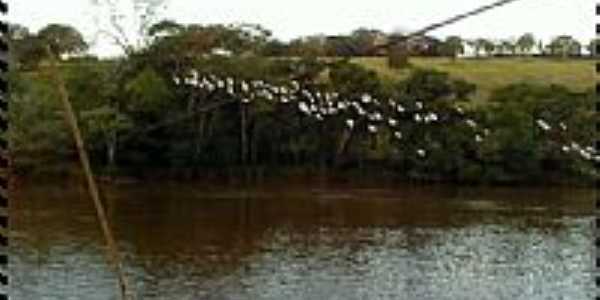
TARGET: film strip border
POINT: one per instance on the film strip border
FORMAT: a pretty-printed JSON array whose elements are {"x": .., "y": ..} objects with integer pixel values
[
  {"x": 4, "y": 152},
  {"x": 595, "y": 53}
]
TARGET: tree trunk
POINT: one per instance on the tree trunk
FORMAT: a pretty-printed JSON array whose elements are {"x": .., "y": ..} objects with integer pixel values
[
  {"x": 343, "y": 145},
  {"x": 243, "y": 134},
  {"x": 111, "y": 150},
  {"x": 111, "y": 147},
  {"x": 322, "y": 150},
  {"x": 254, "y": 143}
]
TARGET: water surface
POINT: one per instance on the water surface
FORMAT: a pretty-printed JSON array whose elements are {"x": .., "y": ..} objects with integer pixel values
[{"x": 183, "y": 241}]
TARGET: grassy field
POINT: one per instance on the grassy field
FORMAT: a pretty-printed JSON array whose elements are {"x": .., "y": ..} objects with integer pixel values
[{"x": 489, "y": 74}]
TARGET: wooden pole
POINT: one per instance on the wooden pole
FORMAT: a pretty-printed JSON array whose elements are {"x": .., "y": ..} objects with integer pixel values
[{"x": 91, "y": 183}]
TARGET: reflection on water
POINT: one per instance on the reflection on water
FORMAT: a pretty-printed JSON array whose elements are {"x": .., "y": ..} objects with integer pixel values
[{"x": 300, "y": 242}]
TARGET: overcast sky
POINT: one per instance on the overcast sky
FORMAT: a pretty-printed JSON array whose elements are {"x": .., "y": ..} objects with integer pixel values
[{"x": 290, "y": 19}]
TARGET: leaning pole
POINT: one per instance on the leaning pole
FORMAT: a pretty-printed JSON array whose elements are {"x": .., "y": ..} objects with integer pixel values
[{"x": 71, "y": 121}]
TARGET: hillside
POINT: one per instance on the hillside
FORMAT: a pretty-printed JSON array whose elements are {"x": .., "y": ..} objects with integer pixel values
[{"x": 489, "y": 74}]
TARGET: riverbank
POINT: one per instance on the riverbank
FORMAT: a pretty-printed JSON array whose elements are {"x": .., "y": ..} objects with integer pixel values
[{"x": 245, "y": 176}]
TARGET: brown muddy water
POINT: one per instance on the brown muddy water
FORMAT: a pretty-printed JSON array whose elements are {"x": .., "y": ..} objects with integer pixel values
[{"x": 182, "y": 241}]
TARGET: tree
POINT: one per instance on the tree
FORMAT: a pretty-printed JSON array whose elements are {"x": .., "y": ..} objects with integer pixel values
[
  {"x": 498, "y": 47},
  {"x": 350, "y": 78},
  {"x": 340, "y": 46},
  {"x": 364, "y": 40},
  {"x": 109, "y": 116},
  {"x": 477, "y": 45},
  {"x": 453, "y": 46},
  {"x": 526, "y": 43},
  {"x": 564, "y": 46},
  {"x": 137, "y": 15},
  {"x": 37, "y": 134},
  {"x": 25, "y": 48},
  {"x": 510, "y": 46},
  {"x": 197, "y": 39},
  {"x": 592, "y": 47},
  {"x": 435, "y": 86},
  {"x": 17, "y": 32},
  {"x": 310, "y": 46},
  {"x": 519, "y": 148},
  {"x": 275, "y": 47},
  {"x": 489, "y": 47},
  {"x": 165, "y": 27},
  {"x": 257, "y": 35},
  {"x": 62, "y": 40},
  {"x": 447, "y": 145},
  {"x": 541, "y": 47}
]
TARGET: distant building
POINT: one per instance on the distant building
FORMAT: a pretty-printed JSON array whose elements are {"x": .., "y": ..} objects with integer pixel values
[
  {"x": 68, "y": 56},
  {"x": 221, "y": 52},
  {"x": 380, "y": 47},
  {"x": 469, "y": 51},
  {"x": 380, "y": 39}
]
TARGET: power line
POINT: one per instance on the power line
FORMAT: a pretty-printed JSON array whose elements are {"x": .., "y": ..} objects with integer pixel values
[{"x": 452, "y": 20}]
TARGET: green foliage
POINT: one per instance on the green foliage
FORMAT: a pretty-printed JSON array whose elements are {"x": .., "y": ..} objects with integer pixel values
[
  {"x": 364, "y": 40},
  {"x": 592, "y": 46},
  {"x": 62, "y": 39},
  {"x": 311, "y": 47},
  {"x": 274, "y": 48},
  {"x": 508, "y": 46},
  {"x": 428, "y": 86},
  {"x": 147, "y": 92},
  {"x": 165, "y": 27},
  {"x": 564, "y": 46},
  {"x": 306, "y": 69},
  {"x": 127, "y": 109},
  {"x": 37, "y": 133},
  {"x": 350, "y": 78},
  {"x": 340, "y": 46},
  {"x": 526, "y": 42},
  {"x": 453, "y": 46},
  {"x": 520, "y": 147},
  {"x": 101, "y": 122},
  {"x": 26, "y": 49},
  {"x": 516, "y": 149},
  {"x": 479, "y": 45}
]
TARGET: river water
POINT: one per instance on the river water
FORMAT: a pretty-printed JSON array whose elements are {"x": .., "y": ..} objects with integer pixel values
[{"x": 305, "y": 241}]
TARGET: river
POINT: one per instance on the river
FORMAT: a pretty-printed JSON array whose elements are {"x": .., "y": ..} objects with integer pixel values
[{"x": 305, "y": 241}]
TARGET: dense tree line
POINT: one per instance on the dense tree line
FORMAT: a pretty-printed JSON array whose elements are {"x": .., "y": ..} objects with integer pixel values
[
  {"x": 67, "y": 41},
  {"x": 131, "y": 113},
  {"x": 364, "y": 42}
]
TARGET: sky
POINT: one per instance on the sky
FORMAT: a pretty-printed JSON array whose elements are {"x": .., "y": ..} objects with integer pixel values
[{"x": 291, "y": 19}]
